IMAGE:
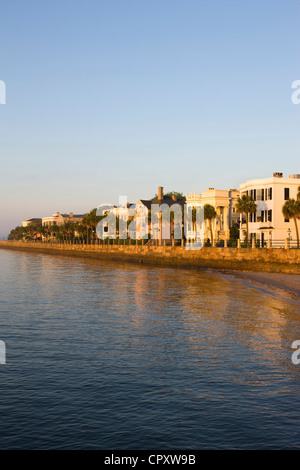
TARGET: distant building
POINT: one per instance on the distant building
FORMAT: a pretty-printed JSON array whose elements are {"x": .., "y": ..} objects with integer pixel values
[
  {"x": 270, "y": 194},
  {"x": 60, "y": 219},
  {"x": 144, "y": 207},
  {"x": 27, "y": 222},
  {"x": 224, "y": 203},
  {"x": 124, "y": 213}
]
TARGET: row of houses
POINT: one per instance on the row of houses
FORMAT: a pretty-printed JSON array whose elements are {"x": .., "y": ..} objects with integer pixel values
[
  {"x": 267, "y": 223},
  {"x": 55, "y": 219}
]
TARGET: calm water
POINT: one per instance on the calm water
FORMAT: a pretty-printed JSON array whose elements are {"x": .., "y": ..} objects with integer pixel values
[{"x": 115, "y": 356}]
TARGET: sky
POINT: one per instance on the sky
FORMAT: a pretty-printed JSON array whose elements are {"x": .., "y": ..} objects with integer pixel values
[{"x": 113, "y": 97}]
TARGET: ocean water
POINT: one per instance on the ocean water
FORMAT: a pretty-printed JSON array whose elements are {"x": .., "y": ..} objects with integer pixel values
[{"x": 105, "y": 355}]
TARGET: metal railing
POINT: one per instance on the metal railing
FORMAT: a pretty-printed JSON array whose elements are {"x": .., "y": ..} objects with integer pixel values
[{"x": 290, "y": 244}]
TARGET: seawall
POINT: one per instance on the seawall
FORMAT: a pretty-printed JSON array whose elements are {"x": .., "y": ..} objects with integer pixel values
[{"x": 245, "y": 259}]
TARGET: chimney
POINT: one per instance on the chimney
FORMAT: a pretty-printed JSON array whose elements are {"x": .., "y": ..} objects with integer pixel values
[
  {"x": 160, "y": 193},
  {"x": 295, "y": 176},
  {"x": 277, "y": 175}
]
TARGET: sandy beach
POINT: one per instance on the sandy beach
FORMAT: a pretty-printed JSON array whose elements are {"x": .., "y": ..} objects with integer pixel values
[{"x": 287, "y": 283}]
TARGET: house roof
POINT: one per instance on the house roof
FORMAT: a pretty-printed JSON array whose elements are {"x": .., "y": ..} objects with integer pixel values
[
  {"x": 166, "y": 200},
  {"x": 74, "y": 216}
]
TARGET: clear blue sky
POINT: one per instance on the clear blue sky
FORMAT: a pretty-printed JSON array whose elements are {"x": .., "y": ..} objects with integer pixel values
[{"x": 109, "y": 97}]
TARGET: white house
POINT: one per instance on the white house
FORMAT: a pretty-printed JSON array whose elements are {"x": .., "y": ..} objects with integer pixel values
[
  {"x": 270, "y": 194},
  {"x": 60, "y": 219},
  {"x": 224, "y": 203},
  {"x": 27, "y": 222}
]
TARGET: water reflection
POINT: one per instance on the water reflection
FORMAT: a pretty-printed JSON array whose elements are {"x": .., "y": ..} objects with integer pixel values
[{"x": 143, "y": 357}]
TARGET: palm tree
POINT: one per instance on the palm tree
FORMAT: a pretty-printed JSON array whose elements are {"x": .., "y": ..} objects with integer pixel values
[
  {"x": 45, "y": 232},
  {"x": 90, "y": 222},
  {"x": 69, "y": 230},
  {"x": 54, "y": 229},
  {"x": 291, "y": 210},
  {"x": 79, "y": 230},
  {"x": 246, "y": 205},
  {"x": 210, "y": 214},
  {"x": 298, "y": 194},
  {"x": 63, "y": 232},
  {"x": 94, "y": 220}
]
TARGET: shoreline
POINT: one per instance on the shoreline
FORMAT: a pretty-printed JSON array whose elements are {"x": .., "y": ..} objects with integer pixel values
[
  {"x": 281, "y": 277},
  {"x": 284, "y": 284}
]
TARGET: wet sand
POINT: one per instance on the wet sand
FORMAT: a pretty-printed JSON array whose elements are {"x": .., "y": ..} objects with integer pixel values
[{"x": 286, "y": 283}]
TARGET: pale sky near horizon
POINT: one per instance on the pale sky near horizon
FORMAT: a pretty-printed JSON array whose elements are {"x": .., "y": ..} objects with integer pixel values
[{"x": 114, "y": 97}]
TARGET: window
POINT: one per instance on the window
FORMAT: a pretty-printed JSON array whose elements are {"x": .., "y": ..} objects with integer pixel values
[
  {"x": 286, "y": 194},
  {"x": 270, "y": 194},
  {"x": 254, "y": 194},
  {"x": 286, "y": 220},
  {"x": 270, "y": 216},
  {"x": 260, "y": 194},
  {"x": 266, "y": 194},
  {"x": 262, "y": 213}
]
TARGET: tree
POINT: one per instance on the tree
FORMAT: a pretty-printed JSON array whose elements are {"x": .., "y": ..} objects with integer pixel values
[
  {"x": 179, "y": 196},
  {"x": 90, "y": 222},
  {"x": 291, "y": 210},
  {"x": 69, "y": 229},
  {"x": 210, "y": 214},
  {"x": 79, "y": 230},
  {"x": 45, "y": 231},
  {"x": 54, "y": 229},
  {"x": 234, "y": 232},
  {"x": 172, "y": 193},
  {"x": 33, "y": 230},
  {"x": 17, "y": 233},
  {"x": 246, "y": 205}
]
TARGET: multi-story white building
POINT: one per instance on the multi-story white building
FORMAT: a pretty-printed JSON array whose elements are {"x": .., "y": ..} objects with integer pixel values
[
  {"x": 60, "y": 219},
  {"x": 270, "y": 194},
  {"x": 125, "y": 213},
  {"x": 27, "y": 222},
  {"x": 224, "y": 202}
]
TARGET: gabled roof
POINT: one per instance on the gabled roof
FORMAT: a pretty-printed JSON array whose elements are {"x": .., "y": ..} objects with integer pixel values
[{"x": 146, "y": 203}]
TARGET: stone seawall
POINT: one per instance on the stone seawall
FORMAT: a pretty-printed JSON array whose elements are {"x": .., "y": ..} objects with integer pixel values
[{"x": 246, "y": 259}]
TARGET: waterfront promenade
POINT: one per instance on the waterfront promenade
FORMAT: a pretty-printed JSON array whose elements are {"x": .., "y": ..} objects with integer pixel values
[{"x": 246, "y": 259}]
